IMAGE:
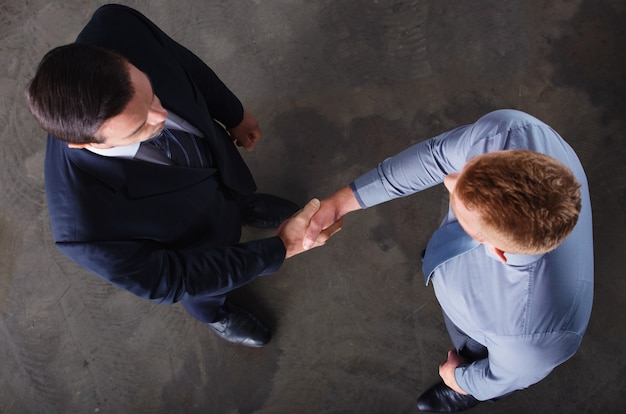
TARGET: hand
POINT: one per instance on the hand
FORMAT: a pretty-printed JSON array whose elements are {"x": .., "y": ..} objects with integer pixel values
[
  {"x": 331, "y": 211},
  {"x": 292, "y": 231},
  {"x": 247, "y": 133},
  {"x": 446, "y": 370}
]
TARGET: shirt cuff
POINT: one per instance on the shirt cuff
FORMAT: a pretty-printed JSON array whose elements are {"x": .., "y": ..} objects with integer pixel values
[
  {"x": 369, "y": 189},
  {"x": 458, "y": 377}
]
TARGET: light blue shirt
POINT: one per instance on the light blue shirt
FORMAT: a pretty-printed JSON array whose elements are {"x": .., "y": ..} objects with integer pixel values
[{"x": 531, "y": 312}]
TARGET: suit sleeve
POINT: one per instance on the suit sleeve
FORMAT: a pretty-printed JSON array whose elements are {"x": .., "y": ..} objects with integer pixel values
[
  {"x": 223, "y": 105},
  {"x": 152, "y": 271}
]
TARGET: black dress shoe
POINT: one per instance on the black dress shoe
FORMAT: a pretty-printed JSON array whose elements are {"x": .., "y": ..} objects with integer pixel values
[
  {"x": 266, "y": 211},
  {"x": 240, "y": 327},
  {"x": 442, "y": 399}
]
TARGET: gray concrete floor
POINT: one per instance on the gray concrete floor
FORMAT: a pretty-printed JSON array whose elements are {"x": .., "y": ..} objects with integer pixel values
[{"x": 337, "y": 86}]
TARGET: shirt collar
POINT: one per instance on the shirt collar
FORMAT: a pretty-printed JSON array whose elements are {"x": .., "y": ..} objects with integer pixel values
[
  {"x": 173, "y": 121},
  {"x": 515, "y": 259},
  {"x": 511, "y": 258},
  {"x": 124, "y": 151}
]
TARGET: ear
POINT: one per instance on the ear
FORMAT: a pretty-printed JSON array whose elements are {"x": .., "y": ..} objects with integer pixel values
[
  {"x": 498, "y": 253},
  {"x": 88, "y": 145},
  {"x": 79, "y": 146}
]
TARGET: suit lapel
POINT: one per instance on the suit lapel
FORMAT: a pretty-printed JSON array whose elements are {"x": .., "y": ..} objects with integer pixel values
[
  {"x": 174, "y": 83},
  {"x": 148, "y": 48},
  {"x": 137, "y": 178},
  {"x": 145, "y": 179}
]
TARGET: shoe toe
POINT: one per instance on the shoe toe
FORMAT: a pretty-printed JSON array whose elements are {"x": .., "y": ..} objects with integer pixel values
[
  {"x": 246, "y": 330},
  {"x": 442, "y": 399},
  {"x": 240, "y": 327}
]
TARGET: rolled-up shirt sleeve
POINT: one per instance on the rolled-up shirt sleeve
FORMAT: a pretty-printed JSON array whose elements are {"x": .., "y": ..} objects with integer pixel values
[
  {"x": 425, "y": 164},
  {"x": 516, "y": 362},
  {"x": 420, "y": 166}
]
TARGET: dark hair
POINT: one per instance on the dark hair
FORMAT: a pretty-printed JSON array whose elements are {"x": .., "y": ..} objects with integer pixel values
[{"x": 76, "y": 88}]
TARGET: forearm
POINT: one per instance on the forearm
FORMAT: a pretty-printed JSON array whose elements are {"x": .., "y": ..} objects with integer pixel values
[
  {"x": 153, "y": 271},
  {"x": 344, "y": 201},
  {"x": 485, "y": 379}
]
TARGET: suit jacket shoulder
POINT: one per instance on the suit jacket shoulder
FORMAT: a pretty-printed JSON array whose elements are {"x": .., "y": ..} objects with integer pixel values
[{"x": 182, "y": 81}]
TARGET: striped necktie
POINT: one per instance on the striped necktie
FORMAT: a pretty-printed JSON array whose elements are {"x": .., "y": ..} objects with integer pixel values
[
  {"x": 181, "y": 147},
  {"x": 448, "y": 242}
]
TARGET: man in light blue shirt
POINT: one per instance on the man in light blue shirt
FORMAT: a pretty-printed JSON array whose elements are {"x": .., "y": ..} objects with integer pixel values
[{"x": 512, "y": 263}]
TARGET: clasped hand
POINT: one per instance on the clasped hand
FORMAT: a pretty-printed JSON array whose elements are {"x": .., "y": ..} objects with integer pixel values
[
  {"x": 330, "y": 212},
  {"x": 293, "y": 231}
]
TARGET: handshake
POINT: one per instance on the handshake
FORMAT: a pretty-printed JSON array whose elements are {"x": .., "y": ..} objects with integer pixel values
[{"x": 316, "y": 222}]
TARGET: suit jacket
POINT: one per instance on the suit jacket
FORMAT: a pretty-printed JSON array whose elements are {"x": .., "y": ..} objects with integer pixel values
[{"x": 166, "y": 233}]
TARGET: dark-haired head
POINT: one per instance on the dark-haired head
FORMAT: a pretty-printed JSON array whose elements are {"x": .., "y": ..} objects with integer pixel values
[{"x": 76, "y": 88}]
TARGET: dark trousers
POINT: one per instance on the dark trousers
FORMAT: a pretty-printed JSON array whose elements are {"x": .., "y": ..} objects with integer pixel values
[
  {"x": 464, "y": 345},
  {"x": 205, "y": 309}
]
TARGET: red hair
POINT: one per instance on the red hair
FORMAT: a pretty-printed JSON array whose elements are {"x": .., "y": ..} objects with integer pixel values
[{"x": 529, "y": 199}]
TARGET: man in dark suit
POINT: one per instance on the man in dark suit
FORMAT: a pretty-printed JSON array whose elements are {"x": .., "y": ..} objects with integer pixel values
[{"x": 145, "y": 187}]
